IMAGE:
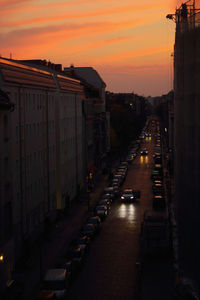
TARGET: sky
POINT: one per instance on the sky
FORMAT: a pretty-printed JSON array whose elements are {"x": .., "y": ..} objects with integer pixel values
[{"x": 130, "y": 43}]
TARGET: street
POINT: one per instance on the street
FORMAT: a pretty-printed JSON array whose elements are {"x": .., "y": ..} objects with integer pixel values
[{"x": 110, "y": 269}]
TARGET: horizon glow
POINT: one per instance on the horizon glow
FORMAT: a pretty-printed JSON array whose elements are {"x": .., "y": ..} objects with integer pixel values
[{"x": 129, "y": 43}]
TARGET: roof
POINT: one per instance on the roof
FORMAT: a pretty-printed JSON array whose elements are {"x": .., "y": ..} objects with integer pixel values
[
  {"x": 89, "y": 74},
  {"x": 35, "y": 75}
]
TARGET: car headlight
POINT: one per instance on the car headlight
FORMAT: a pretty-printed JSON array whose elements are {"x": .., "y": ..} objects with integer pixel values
[
  {"x": 132, "y": 197},
  {"x": 122, "y": 197}
]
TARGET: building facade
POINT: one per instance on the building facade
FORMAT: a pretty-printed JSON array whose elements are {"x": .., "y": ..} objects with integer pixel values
[
  {"x": 45, "y": 149},
  {"x": 187, "y": 140},
  {"x": 96, "y": 118},
  {"x": 6, "y": 191}
]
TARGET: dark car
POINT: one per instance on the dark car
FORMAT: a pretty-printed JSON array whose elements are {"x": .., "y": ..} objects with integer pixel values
[
  {"x": 130, "y": 158},
  {"x": 158, "y": 160},
  {"x": 88, "y": 230},
  {"x": 101, "y": 211},
  {"x": 158, "y": 167},
  {"x": 44, "y": 295},
  {"x": 76, "y": 255},
  {"x": 110, "y": 190},
  {"x": 68, "y": 266},
  {"x": 158, "y": 189},
  {"x": 144, "y": 152},
  {"x": 159, "y": 202},
  {"x": 119, "y": 177},
  {"x": 115, "y": 182},
  {"x": 95, "y": 220},
  {"x": 127, "y": 195},
  {"x": 156, "y": 175},
  {"x": 104, "y": 202},
  {"x": 136, "y": 193},
  {"x": 107, "y": 196},
  {"x": 81, "y": 242}
]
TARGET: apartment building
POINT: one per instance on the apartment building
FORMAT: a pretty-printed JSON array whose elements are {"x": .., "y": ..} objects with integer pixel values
[
  {"x": 6, "y": 191},
  {"x": 45, "y": 148},
  {"x": 187, "y": 139},
  {"x": 96, "y": 118}
]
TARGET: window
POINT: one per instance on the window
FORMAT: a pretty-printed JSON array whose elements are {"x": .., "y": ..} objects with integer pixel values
[
  {"x": 6, "y": 171},
  {"x": 34, "y": 101},
  {"x": 17, "y": 133},
  {"x": 5, "y": 123},
  {"x": 8, "y": 219}
]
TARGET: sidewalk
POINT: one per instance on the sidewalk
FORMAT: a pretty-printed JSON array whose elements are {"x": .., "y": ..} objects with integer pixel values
[{"x": 51, "y": 248}]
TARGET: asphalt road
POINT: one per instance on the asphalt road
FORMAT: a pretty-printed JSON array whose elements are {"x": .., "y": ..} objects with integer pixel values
[{"x": 110, "y": 268}]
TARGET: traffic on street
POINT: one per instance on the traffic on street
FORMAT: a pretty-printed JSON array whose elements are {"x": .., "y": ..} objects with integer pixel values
[{"x": 105, "y": 260}]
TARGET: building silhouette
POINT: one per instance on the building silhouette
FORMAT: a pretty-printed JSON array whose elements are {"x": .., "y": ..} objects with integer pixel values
[{"x": 187, "y": 141}]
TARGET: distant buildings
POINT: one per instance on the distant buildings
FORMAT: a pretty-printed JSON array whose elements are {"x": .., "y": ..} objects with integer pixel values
[
  {"x": 44, "y": 159},
  {"x": 97, "y": 119},
  {"x": 137, "y": 103}
]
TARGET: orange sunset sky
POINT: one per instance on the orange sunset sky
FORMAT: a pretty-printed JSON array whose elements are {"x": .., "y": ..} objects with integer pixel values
[{"x": 128, "y": 42}]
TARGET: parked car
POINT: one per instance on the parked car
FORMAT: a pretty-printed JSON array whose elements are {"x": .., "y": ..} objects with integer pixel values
[
  {"x": 130, "y": 158},
  {"x": 115, "y": 189},
  {"x": 121, "y": 171},
  {"x": 95, "y": 220},
  {"x": 144, "y": 152},
  {"x": 84, "y": 240},
  {"x": 158, "y": 167},
  {"x": 104, "y": 202},
  {"x": 115, "y": 182},
  {"x": 155, "y": 175},
  {"x": 123, "y": 167},
  {"x": 158, "y": 189},
  {"x": 124, "y": 163},
  {"x": 76, "y": 255},
  {"x": 88, "y": 230},
  {"x": 44, "y": 295},
  {"x": 157, "y": 181},
  {"x": 158, "y": 202},
  {"x": 119, "y": 177},
  {"x": 101, "y": 211},
  {"x": 136, "y": 194},
  {"x": 127, "y": 195},
  {"x": 111, "y": 191},
  {"x": 68, "y": 266},
  {"x": 158, "y": 160},
  {"x": 56, "y": 281},
  {"x": 78, "y": 243},
  {"x": 107, "y": 196}
]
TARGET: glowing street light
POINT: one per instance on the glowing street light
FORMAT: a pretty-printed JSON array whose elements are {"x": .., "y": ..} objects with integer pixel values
[{"x": 1, "y": 257}]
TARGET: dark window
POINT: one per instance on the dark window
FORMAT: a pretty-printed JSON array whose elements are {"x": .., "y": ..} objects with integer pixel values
[
  {"x": 5, "y": 123},
  {"x": 7, "y": 219}
]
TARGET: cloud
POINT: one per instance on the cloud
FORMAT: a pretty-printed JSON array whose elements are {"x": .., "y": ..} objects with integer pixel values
[
  {"x": 36, "y": 39},
  {"x": 122, "y": 56},
  {"x": 8, "y": 4},
  {"x": 87, "y": 14},
  {"x": 131, "y": 68}
]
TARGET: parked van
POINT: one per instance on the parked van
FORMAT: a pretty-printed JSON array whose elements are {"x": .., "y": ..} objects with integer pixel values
[{"x": 56, "y": 280}]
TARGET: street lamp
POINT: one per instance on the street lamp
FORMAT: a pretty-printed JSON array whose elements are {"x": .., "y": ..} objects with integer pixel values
[{"x": 1, "y": 258}]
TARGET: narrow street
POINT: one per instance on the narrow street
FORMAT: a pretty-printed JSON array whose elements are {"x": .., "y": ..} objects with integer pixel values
[{"x": 110, "y": 268}]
